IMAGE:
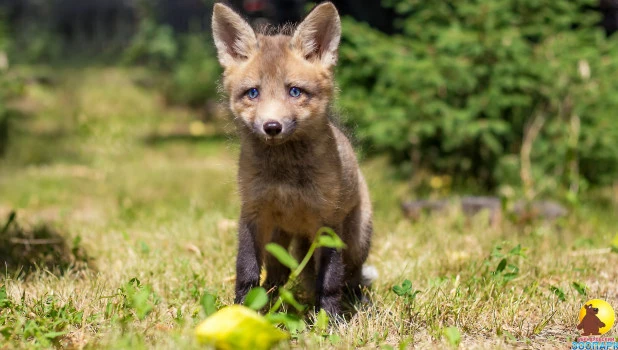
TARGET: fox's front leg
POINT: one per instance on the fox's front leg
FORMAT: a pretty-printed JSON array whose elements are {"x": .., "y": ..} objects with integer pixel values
[
  {"x": 330, "y": 281},
  {"x": 248, "y": 261},
  {"x": 276, "y": 273}
]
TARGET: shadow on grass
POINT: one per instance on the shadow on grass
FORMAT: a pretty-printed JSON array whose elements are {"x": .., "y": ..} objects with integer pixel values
[
  {"x": 24, "y": 251},
  {"x": 27, "y": 145}
]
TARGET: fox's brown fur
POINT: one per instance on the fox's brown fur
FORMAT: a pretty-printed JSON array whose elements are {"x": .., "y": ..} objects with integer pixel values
[{"x": 304, "y": 174}]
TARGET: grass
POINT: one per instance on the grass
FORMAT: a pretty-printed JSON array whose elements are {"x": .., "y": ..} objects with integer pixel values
[{"x": 104, "y": 163}]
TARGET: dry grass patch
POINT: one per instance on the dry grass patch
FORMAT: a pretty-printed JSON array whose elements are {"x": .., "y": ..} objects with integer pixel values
[{"x": 159, "y": 220}]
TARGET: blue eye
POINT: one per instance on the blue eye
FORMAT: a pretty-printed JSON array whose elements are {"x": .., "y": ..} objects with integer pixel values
[
  {"x": 294, "y": 92},
  {"x": 253, "y": 93}
]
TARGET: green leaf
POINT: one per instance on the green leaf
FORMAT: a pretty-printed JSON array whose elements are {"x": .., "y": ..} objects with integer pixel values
[
  {"x": 282, "y": 255},
  {"x": 509, "y": 276},
  {"x": 256, "y": 299},
  {"x": 501, "y": 266},
  {"x": 4, "y": 298},
  {"x": 142, "y": 304},
  {"x": 518, "y": 250},
  {"x": 329, "y": 242},
  {"x": 559, "y": 293},
  {"x": 54, "y": 335},
  {"x": 407, "y": 285},
  {"x": 144, "y": 248},
  {"x": 334, "y": 339},
  {"x": 322, "y": 321},
  {"x": 208, "y": 302},
  {"x": 399, "y": 291},
  {"x": 328, "y": 238},
  {"x": 453, "y": 335},
  {"x": 134, "y": 282},
  {"x": 404, "y": 289},
  {"x": 288, "y": 297},
  {"x": 614, "y": 244},
  {"x": 293, "y": 323},
  {"x": 580, "y": 288}
]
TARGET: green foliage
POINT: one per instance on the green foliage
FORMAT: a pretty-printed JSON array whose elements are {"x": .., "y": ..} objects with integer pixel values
[
  {"x": 507, "y": 268},
  {"x": 580, "y": 288},
  {"x": 453, "y": 335},
  {"x": 406, "y": 291},
  {"x": 456, "y": 91},
  {"x": 326, "y": 237},
  {"x": 194, "y": 76},
  {"x": 209, "y": 303},
  {"x": 187, "y": 62},
  {"x": 282, "y": 255},
  {"x": 34, "y": 39},
  {"x": 48, "y": 319},
  {"x": 558, "y": 292},
  {"x": 4, "y": 43},
  {"x": 237, "y": 326},
  {"x": 133, "y": 301},
  {"x": 257, "y": 297},
  {"x": 153, "y": 44},
  {"x": 10, "y": 86},
  {"x": 139, "y": 300}
]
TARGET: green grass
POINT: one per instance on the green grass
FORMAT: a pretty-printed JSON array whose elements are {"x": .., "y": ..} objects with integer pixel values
[{"x": 97, "y": 157}]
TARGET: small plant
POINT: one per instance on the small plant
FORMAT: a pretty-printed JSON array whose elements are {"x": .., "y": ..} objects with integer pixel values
[
  {"x": 407, "y": 294},
  {"x": 136, "y": 302},
  {"x": 237, "y": 327},
  {"x": 258, "y": 298},
  {"x": 406, "y": 291},
  {"x": 42, "y": 322},
  {"x": 505, "y": 271},
  {"x": 452, "y": 335},
  {"x": 580, "y": 288}
]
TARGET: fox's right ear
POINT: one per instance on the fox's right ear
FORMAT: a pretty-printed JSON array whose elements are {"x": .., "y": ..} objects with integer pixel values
[{"x": 234, "y": 38}]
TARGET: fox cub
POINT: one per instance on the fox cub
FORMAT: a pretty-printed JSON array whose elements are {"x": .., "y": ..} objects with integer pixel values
[{"x": 297, "y": 171}]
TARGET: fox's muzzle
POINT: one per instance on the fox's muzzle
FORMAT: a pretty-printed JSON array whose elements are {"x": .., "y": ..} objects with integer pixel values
[
  {"x": 274, "y": 132},
  {"x": 272, "y": 128}
]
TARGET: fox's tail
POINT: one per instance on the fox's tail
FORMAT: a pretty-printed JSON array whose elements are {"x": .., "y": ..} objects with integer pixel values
[{"x": 370, "y": 274}]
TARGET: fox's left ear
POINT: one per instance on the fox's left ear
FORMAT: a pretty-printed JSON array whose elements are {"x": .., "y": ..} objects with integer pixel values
[
  {"x": 317, "y": 37},
  {"x": 234, "y": 38}
]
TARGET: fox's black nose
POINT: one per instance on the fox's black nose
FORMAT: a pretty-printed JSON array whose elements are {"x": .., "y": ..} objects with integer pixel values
[{"x": 272, "y": 128}]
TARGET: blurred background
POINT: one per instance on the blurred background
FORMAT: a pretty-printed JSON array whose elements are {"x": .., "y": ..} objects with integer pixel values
[
  {"x": 487, "y": 130},
  {"x": 514, "y": 98}
]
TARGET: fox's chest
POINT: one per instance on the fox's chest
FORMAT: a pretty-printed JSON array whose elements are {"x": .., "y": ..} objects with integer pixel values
[
  {"x": 298, "y": 205},
  {"x": 294, "y": 211}
]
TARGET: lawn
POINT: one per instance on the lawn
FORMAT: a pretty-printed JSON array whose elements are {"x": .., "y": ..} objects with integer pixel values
[{"x": 144, "y": 195}]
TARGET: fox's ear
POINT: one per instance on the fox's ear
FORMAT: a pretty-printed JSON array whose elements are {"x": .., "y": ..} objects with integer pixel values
[
  {"x": 234, "y": 38},
  {"x": 317, "y": 37}
]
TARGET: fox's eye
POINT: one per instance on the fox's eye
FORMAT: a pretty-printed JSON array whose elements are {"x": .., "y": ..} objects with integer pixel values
[
  {"x": 294, "y": 92},
  {"x": 253, "y": 93}
]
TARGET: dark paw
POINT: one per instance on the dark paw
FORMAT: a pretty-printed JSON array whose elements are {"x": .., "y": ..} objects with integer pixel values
[
  {"x": 242, "y": 290},
  {"x": 332, "y": 305}
]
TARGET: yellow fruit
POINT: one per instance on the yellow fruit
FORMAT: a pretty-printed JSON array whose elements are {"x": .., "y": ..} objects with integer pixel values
[
  {"x": 606, "y": 313},
  {"x": 238, "y": 327}
]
